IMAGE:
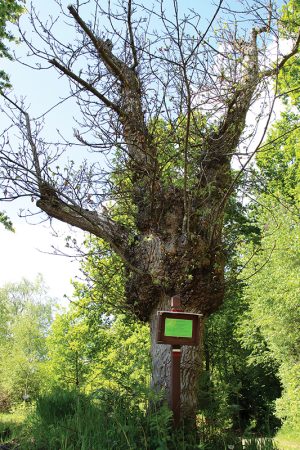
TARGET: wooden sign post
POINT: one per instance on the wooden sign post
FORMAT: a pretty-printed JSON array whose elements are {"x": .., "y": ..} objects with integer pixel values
[{"x": 177, "y": 328}]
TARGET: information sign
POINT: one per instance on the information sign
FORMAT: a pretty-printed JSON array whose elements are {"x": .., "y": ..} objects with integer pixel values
[{"x": 178, "y": 328}]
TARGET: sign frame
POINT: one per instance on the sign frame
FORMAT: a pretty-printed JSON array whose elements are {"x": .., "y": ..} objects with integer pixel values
[{"x": 178, "y": 340}]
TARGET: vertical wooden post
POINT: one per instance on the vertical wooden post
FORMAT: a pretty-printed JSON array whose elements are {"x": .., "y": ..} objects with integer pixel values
[
  {"x": 175, "y": 384},
  {"x": 176, "y": 303},
  {"x": 177, "y": 328},
  {"x": 175, "y": 370}
]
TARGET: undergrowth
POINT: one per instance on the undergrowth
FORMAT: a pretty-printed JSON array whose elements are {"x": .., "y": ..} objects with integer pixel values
[{"x": 107, "y": 420}]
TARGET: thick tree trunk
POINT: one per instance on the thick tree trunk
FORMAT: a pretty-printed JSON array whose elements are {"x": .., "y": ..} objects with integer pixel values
[{"x": 161, "y": 367}]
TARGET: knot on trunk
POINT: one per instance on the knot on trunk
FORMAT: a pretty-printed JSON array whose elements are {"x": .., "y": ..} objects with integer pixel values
[{"x": 142, "y": 295}]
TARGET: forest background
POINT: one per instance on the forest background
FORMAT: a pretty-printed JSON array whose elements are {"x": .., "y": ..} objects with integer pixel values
[{"x": 80, "y": 378}]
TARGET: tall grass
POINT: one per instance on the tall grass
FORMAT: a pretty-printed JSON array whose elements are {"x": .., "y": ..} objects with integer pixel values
[
  {"x": 65, "y": 420},
  {"x": 70, "y": 421}
]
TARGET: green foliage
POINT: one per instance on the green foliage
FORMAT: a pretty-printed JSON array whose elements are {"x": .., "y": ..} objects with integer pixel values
[
  {"x": 273, "y": 293},
  {"x": 288, "y": 406},
  {"x": 10, "y": 10},
  {"x": 113, "y": 354},
  {"x": 59, "y": 404},
  {"x": 112, "y": 350},
  {"x": 240, "y": 228},
  {"x": 269, "y": 329},
  {"x": 288, "y": 77},
  {"x": 67, "y": 420},
  {"x": 288, "y": 438},
  {"x": 11, "y": 425},
  {"x": 94, "y": 344},
  {"x": 234, "y": 393},
  {"x": 170, "y": 140},
  {"x": 273, "y": 297},
  {"x": 5, "y": 220},
  {"x": 278, "y": 160},
  {"x": 69, "y": 352},
  {"x": 102, "y": 292},
  {"x": 25, "y": 320},
  {"x": 124, "y": 364},
  {"x": 259, "y": 443}
]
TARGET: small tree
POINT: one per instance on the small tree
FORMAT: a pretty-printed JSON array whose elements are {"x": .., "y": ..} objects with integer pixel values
[
  {"x": 25, "y": 321},
  {"x": 169, "y": 107},
  {"x": 69, "y": 359}
]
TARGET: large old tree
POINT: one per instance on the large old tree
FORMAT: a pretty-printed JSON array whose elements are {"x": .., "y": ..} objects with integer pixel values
[{"x": 164, "y": 97}]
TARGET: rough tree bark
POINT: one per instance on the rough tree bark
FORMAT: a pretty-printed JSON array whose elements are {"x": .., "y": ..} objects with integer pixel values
[{"x": 175, "y": 244}]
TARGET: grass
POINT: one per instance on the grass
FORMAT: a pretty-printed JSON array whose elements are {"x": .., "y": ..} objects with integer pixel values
[
  {"x": 65, "y": 420},
  {"x": 288, "y": 439},
  {"x": 12, "y": 425}
]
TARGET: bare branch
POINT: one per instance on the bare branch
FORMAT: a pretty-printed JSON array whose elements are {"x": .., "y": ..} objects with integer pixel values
[
  {"x": 89, "y": 87},
  {"x": 103, "y": 48},
  {"x": 97, "y": 224},
  {"x": 280, "y": 64},
  {"x": 131, "y": 36},
  {"x": 30, "y": 139}
]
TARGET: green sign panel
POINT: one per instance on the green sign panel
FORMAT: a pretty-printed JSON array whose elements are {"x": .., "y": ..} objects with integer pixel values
[{"x": 179, "y": 328}]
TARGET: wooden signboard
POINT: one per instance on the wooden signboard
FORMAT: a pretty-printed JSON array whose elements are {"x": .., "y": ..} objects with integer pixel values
[{"x": 178, "y": 328}]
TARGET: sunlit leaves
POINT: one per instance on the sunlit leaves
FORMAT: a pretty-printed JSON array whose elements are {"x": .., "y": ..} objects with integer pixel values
[
  {"x": 273, "y": 295},
  {"x": 10, "y": 10},
  {"x": 278, "y": 160},
  {"x": 25, "y": 319}
]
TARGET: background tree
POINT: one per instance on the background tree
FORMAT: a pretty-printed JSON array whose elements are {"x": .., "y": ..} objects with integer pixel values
[
  {"x": 273, "y": 269},
  {"x": 273, "y": 299},
  {"x": 236, "y": 390},
  {"x": 69, "y": 360},
  {"x": 114, "y": 356},
  {"x": 130, "y": 81},
  {"x": 25, "y": 321}
]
